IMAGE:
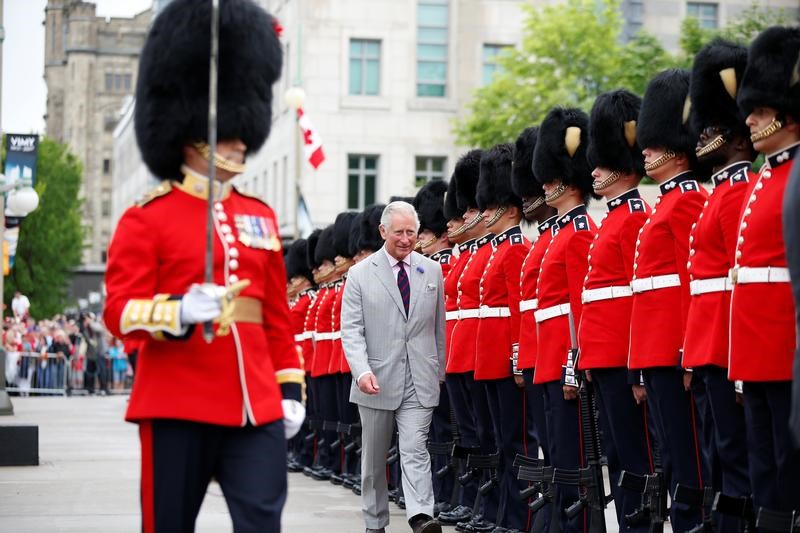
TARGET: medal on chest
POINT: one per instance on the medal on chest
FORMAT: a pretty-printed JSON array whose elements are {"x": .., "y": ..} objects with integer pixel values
[{"x": 257, "y": 232}]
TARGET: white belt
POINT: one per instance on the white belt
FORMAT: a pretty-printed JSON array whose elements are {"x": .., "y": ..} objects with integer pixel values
[
  {"x": 494, "y": 312},
  {"x": 703, "y": 286},
  {"x": 606, "y": 293},
  {"x": 469, "y": 313},
  {"x": 300, "y": 337},
  {"x": 528, "y": 305},
  {"x": 760, "y": 275},
  {"x": 655, "y": 282},
  {"x": 451, "y": 315},
  {"x": 551, "y": 312},
  {"x": 328, "y": 335}
]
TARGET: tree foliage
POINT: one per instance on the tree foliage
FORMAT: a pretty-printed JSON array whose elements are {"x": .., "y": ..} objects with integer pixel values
[
  {"x": 51, "y": 237},
  {"x": 570, "y": 53}
]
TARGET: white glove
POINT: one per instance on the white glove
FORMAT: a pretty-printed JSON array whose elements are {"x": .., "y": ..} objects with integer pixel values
[
  {"x": 293, "y": 415},
  {"x": 202, "y": 303}
]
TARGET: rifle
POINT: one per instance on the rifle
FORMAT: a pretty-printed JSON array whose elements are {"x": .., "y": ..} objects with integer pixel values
[
  {"x": 653, "y": 489},
  {"x": 784, "y": 521},
  {"x": 697, "y": 497},
  {"x": 738, "y": 506},
  {"x": 590, "y": 477}
]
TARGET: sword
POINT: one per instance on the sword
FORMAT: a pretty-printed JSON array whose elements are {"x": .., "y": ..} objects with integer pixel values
[{"x": 208, "y": 329}]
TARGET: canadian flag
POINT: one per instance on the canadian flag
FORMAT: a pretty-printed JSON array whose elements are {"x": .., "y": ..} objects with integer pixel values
[{"x": 312, "y": 144}]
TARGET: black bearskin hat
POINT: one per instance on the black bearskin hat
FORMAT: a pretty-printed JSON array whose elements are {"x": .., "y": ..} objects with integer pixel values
[
  {"x": 172, "y": 88},
  {"x": 341, "y": 233},
  {"x": 311, "y": 249},
  {"x": 612, "y": 133},
  {"x": 370, "y": 238},
  {"x": 429, "y": 203},
  {"x": 325, "y": 249},
  {"x": 494, "y": 185},
  {"x": 772, "y": 76},
  {"x": 451, "y": 210},
  {"x": 560, "y": 152},
  {"x": 406, "y": 199},
  {"x": 717, "y": 73},
  {"x": 664, "y": 117},
  {"x": 465, "y": 176},
  {"x": 355, "y": 233},
  {"x": 522, "y": 181},
  {"x": 295, "y": 259}
]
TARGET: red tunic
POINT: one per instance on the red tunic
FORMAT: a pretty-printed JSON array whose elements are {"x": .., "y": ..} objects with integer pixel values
[
  {"x": 658, "y": 318},
  {"x": 446, "y": 260},
  {"x": 462, "y": 352},
  {"x": 338, "y": 361},
  {"x": 308, "y": 334},
  {"x": 451, "y": 295},
  {"x": 604, "y": 332},
  {"x": 529, "y": 275},
  {"x": 762, "y": 314},
  {"x": 560, "y": 282},
  {"x": 711, "y": 250},
  {"x": 323, "y": 331},
  {"x": 499, "y": 290},
  {"x": 299, "y": 309},
  {"x": 159, "y": 248}
]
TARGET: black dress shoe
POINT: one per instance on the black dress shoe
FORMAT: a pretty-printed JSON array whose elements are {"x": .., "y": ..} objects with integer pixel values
[
  {"x": 294, "y": 466},
  {"x": 459, "y": 513},
  {"x": 441, "y": 507},
  {"x": 423, "y": 523},
  {"x": 357, "y": 489},
  {"x": 476, "y": 523},
  {"x": 393, "y": 495},
  {"x": 336, "y": 479},
  {"x": 323, "y": 474},
  {"x": 401, "y": 502}
]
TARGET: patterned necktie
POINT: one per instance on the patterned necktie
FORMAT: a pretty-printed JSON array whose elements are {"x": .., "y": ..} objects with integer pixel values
[{"x": 402, "y": 284}]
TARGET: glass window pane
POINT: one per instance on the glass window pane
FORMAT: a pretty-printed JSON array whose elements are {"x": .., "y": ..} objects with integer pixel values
[
  {"x": 370, "y": 163},
  {"x": 373, "y": 49},
  {"x": 426, "y": 89},
  {"x": 355, "y": 76},
  {"x": 431, "y": 71},
  {"x": 352, "y": 162},
  {"x": 369, "y": 190},
  {"x": 420, "y": 163},
  {"x": 438, "y": 164},
  {"x": 431, "y": 51},
  {"x": 432, "y": 35},
  {"x": 373, "y": 78},
  {"x": 432, "y": 15},
  {"x": 356, "y": 46},
  {"x": 352, "y": 191}
]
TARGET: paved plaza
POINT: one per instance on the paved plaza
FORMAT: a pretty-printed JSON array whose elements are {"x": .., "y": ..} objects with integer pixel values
[{"x": 88, "y": 479}]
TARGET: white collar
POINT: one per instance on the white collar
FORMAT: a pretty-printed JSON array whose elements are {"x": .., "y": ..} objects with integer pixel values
[{"x": 393, "y": 261}]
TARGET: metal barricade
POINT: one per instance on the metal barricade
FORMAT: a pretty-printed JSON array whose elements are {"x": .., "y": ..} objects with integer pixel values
[{"x": 35, "y": 373}]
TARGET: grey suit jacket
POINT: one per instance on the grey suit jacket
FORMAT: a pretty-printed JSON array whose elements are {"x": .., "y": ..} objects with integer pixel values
[{"x": 377, "y": 336}]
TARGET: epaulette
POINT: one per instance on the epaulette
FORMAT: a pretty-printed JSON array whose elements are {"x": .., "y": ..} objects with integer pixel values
[
  {"x": 740, "y": 177},
  {"x": 636, "y": 205},
  {"x": 689, "y": 186},
  {"x": 252, "y": 195},
  {"x": 445, "y": 258},
  {"x": 581, "y": 223},
  {"x": 163, "y": 189},
  {"x": 517, "y": 238}
]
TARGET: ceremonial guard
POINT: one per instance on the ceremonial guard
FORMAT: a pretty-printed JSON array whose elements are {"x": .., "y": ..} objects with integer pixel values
[
  {"x": 327, "y": 277},
  {"x": 559, "y": 163},
  {"x": 433, "y": 242},
  {"x": 220, "y": 406},
  {"x": 534, "y": 211},
  {"x": 660, "y": 282},
  {"x": 604, "y": 332},
  {"x": 498, "y": 326},
  {"x": 723, "y": 146},
  {"x": 461, "y": 211},
  {"x": 301, "y": 294},
  {"x": 762, "y": 330},
  {"x": 346, "y": 412}
]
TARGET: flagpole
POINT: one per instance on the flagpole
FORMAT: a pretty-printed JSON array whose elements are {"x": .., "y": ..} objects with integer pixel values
[{"x": 294, "y": 99}]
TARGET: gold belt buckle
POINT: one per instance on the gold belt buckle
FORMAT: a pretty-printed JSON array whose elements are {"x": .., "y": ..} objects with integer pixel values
[{"x": 735, "y": 275}]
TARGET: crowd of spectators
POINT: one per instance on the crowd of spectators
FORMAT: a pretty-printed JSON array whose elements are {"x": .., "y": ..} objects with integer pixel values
[{"x": 66, "y": 353}]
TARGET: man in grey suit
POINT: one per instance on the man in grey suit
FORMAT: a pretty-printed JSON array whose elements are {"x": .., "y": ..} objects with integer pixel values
[{"x": 393, "y": 335}]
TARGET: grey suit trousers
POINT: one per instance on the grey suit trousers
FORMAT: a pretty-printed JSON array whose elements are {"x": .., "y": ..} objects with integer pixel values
[{"x": 413, "y": 422}]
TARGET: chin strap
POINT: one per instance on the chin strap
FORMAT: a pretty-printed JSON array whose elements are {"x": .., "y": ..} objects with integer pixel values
[
  {"x": 666, "y": 156},
  {"x": 560, "y": 190},
  {"x": 614, "y": 176},
  {"x": 219, "y": 161},
  {"x": 497, "y": 214},
  {"x": 771, "y": 129},
  {"x": 534, "y": 205},
  {"x": 714, "y": 145}
]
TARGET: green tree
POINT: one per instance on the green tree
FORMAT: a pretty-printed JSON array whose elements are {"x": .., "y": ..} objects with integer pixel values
[
  {"x": 51, "y": 237},
  {"x": 569, "y": 54}
]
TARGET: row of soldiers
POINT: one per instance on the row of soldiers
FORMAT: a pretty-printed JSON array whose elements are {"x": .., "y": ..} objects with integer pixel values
[{"x": 658, "y": 344}]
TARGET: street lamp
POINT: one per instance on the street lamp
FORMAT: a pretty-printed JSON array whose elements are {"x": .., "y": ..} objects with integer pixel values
[{"x": 22, "y": 200}]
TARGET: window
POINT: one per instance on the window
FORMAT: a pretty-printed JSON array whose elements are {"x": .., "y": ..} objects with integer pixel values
[
  {"x": 432, "y": 39},
  {"x": 362, "y": 173},
  {"x": 365, "y": 66},
  {"x": 706, "y": 14},
  {"x": 633, "y": 14},
  {"x": 126, "y": 78},
  {"x": 490, "y": 66},
  {"x": 109, "y": 82},
  {"x": 428, "y": 169},
  {"x": 105, "y": 203},
  {"x": 106, "y": 166}
]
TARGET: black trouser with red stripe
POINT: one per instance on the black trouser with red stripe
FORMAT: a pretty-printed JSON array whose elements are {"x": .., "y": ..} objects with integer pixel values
[
  {"x": 673, "y": 413},
  {"x": 460, "y": 389},
  {"x": 180, "y": 457},
  {"x": 442, "y": 431}
]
